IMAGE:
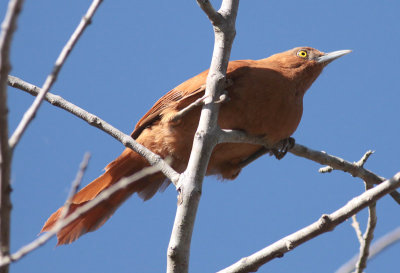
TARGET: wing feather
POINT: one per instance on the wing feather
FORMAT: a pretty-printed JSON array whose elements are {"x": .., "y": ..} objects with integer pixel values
[{"x": 182, "y": 95}]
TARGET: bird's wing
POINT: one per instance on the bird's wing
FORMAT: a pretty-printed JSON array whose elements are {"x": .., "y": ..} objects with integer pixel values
[{"x": 183, "y": 95}]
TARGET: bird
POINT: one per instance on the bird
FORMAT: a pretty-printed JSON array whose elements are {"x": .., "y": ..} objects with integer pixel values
[{"x": 265, "y": 99}]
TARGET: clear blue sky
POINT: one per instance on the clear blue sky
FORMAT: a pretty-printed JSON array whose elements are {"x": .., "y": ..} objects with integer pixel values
[{"x": 133, "y": 53}]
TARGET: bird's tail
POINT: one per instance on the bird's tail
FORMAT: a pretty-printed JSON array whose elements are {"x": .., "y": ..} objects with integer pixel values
[{"x": 126, "y": 164}]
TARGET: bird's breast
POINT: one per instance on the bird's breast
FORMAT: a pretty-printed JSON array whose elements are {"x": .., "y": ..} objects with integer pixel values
[{"x": 263, "y": 107}]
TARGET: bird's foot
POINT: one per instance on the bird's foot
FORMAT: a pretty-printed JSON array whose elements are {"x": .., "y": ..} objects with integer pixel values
[{"x": 280, "y": 149}]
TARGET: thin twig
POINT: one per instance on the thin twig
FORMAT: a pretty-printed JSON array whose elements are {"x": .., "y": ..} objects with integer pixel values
[
  {"x": 200, "y": 101},
  {"x": 368, "y": 236},
  {"x": 75, "y": 185},
  {"x": 338, "y": 163},
  {"x": 358, "y": 164},
  {"x": 356, "y": 225},
  {"x": 97, "y": 122},
  {"x": 364, "y": 159},
  {"x": 187, "y": 109},
  {"x": 380, "y": 245},
  {"x": 50, "y": 80},
  {"x": 8, "y": 28},
  {"x": 38, "y": 242},
  {"x": 104, "y": 195},
  {"x": 324, "y": 224}
]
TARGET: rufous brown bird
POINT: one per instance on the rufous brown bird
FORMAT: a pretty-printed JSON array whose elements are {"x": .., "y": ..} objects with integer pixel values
[{"x": 265, "y": 99}]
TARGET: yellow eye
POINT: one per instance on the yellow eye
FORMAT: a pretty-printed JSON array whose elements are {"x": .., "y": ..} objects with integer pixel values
[{"x": 302, "y": 53}]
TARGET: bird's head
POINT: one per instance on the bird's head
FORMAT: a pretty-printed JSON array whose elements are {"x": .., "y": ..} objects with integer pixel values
[
  {"x": 304, "y": 64},
  {"x": 302, "y": 57}
]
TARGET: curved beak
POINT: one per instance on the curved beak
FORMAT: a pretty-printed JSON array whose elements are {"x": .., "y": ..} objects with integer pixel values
[{"x": 329, "y": 57}]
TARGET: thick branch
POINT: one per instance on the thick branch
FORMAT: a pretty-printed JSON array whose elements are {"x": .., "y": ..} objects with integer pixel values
[
  {"x": 324, "y": 224},
  {"x": 97, "y": 122},
  {"x": 7, "y": 30},
  {"x": 190, "y": 182},
  {"x": 50, "y": 80}
]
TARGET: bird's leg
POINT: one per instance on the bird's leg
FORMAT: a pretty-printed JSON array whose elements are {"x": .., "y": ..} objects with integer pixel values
[
  {"x": 262, "y": 151},
  {"x": 280, "y": 150}
]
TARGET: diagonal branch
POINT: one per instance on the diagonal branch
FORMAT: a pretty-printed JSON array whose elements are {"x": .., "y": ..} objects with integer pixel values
[
  {"x": 97, "y": 122},
  {"x": 104, "y": 195},
  {"x": 50, "y": 80},
  {"x": 337, "y": 163},
  {"x": 334, "y": 163},
  {"x": 8, "y": 28},
  {"x": 380, "y": 245},
  {"x": 324, "y": 224},
  {"x": 75, "y": 186}
]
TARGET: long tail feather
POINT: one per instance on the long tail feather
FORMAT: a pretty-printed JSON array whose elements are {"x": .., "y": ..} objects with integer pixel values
[{"x": 126, "y": 164}]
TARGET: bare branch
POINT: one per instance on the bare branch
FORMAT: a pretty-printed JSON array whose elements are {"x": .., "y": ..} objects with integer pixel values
[
  {"x": 104, "y": 195},
  {"x": 50, "y": 80},
  {"x": 31, "y": 247},
  {"x": 187, "y": 109},
  {"x": 380, "y": 245},
  {"x": 324, "y": 224},
  {"x": 359, "y": 164},
  {"x": 338, "y": 163},
  {"x": 356, "y": 225},
  {"x": 364, "y": 158},
  {"x": 75, "y": 186},
  {"x": 369, "y": 232},
  {"x": 200, "y": 101},
  {"x": 8, "y": 28},
  {"x": 208, "y": 9},
  {"x": 205, "y": 139},
  {"x": 97, "y": 122}
]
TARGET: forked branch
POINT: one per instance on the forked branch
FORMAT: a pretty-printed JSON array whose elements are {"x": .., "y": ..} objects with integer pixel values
[
  {"x": 326, "y": 223},
  {"x": 190, "y": 182}
]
